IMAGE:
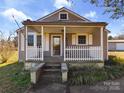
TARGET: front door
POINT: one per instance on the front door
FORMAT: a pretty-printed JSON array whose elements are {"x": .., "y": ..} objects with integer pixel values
[{"x": 56, "y": 45}]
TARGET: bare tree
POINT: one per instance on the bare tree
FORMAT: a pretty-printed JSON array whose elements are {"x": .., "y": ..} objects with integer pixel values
[
  {"x": 1, "y": 35},
  {"x": 6, "y": 46}
]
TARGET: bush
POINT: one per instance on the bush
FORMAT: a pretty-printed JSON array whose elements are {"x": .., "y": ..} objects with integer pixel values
[{"x": 91, "y": 75}]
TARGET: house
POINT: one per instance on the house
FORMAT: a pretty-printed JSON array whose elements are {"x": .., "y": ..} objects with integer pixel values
[
  {"x": 116, "y": 45},
  {"x": 63, "y": 36}
]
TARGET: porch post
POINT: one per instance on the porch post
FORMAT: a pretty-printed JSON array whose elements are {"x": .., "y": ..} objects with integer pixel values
[
  {"x": 102, "y": 28},
  {"x": 26, "y": 33},
  {"x": 42, "y": 33},
  {"x": 64, "y": 43}
]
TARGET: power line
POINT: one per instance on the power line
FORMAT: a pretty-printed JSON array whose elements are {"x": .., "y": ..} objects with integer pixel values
[{"x": 16, "y": 22}]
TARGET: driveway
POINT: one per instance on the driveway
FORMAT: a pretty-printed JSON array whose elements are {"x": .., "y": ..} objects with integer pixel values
[{"x": 115, "y": 86}]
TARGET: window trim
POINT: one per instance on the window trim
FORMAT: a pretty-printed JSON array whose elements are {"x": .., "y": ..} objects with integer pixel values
[
  {"x": 34, "y": 35},
  {"x": 86, "y": 39},
  {"x": 63, "y": 13}
]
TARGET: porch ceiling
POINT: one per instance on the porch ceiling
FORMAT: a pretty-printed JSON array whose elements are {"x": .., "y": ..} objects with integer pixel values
[{"x": 68, "y": 29}]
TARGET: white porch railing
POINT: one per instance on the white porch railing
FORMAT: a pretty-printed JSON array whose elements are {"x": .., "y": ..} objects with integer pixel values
[
  {"x": 79, "y": 53},
  {"x": 34, "y": 53}
]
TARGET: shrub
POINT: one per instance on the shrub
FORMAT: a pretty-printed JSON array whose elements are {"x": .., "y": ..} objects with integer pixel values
[{"x": 91, "y": 75}]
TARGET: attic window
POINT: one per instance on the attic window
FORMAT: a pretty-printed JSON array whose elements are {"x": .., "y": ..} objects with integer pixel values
[{"x": 63, "y": 16}]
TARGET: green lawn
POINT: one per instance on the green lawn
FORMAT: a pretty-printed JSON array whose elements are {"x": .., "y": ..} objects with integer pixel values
[{"x": 14, "y": 79}]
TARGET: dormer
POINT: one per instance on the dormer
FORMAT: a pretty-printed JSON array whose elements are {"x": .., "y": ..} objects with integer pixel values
[{"x": 63, "y": 16}]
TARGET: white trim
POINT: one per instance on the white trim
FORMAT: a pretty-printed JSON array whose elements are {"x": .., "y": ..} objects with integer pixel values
[
  {"x": 107, "y": 46},
  {"x": 18, "y": 47},
  {"x": 61, "y": 10},
  {"x": 63, "y": 13},
  {"x": 52, "y": 45},
  {"x": 66, "y": 26},
  {"x": 26, "y": 41},
  {"x": 102, "y": 55},
  {"x": 84, "y": 34},
  {"x": 64, "y": 43},
  {"x": 42, "y": 32},
  {"x": 22, "y": 41}
]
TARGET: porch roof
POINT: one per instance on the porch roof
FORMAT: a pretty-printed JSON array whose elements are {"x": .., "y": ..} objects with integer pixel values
[{"x": 79, "y": 23}]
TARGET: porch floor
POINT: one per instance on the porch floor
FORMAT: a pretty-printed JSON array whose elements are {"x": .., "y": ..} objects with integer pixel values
[{"x": 60, "y": 59}]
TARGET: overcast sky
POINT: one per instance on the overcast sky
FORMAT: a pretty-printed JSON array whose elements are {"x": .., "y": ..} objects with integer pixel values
[{"x": 35, "y": 9}]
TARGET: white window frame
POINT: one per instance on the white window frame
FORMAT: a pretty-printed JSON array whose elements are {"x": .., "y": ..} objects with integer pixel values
[
  {"x": 63, "y": 13},
  {"x": 35, "y": 40},
  {"x": 82, "y": 35},
  {"x": 52, "y": 45}
]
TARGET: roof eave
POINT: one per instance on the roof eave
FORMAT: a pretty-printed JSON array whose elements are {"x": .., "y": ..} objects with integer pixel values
[{"x": 64, "y": 23}]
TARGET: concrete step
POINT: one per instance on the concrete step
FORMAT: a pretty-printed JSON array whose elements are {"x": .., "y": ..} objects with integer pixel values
[
  {"x": 55, "y": 76},
  {"x": 53, "y": 64},
  {"x": 51, "y": 76},
  {"x": 52, "y": 67},
  {"x": 51, "y": 79},
  {"x": 52, "y": 70}
]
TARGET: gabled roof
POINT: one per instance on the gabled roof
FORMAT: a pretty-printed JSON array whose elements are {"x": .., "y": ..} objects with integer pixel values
[
  {"x": 63, "y": 8},
  {"x": 82, "y": 21}
]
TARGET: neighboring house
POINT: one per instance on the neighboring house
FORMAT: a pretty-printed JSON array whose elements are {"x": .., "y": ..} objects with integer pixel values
[
  {"x": 116, "y": 45},
  {"x": 63, "y": 36}
]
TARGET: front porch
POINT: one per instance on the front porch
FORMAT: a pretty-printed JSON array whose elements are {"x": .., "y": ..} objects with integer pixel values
[{"x": 60, "y": 43}]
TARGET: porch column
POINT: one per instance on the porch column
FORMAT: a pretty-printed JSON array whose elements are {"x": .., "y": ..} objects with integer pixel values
[
  {"x": 102, "y": 28},
  {"x": 64, "y": 43},
  {"x": 42, "y": 36},
  {"x": 26, "y": 33}
]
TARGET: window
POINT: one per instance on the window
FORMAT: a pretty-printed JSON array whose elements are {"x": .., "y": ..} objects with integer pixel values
[
  {"x": 63, "y": 16},
  {"x": 39, "y": 40},
  {"x": 81, "y": 39},
  {"x": 30, "y": 40}
]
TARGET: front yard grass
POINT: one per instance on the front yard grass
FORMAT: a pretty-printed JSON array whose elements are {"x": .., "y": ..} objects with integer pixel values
[{"x": 14, "y": 79}]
